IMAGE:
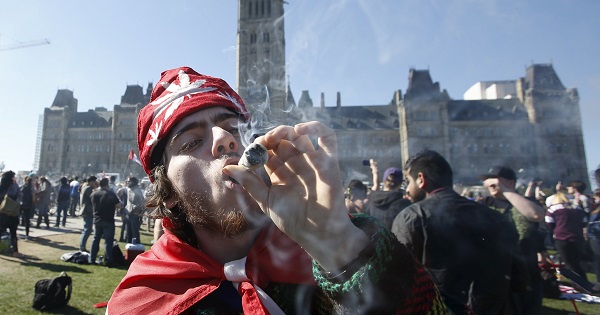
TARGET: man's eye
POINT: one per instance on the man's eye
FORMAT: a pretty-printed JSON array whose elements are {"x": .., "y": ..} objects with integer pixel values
[
  {"x": 190, "y": 145},
  {"x": 233, "y": 131}
]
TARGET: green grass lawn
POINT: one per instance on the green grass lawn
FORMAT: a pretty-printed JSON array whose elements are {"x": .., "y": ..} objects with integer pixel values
[
  {"x": 91, "y": 284},
  {"x": 95, "y": 284}
]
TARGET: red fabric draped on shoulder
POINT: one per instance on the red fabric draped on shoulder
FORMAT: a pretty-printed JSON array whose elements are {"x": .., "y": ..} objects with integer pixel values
[{"x": 173, "y": 276}]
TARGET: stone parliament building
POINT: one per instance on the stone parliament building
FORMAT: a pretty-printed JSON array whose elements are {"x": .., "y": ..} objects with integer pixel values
[{"x": 531, "y": 124}]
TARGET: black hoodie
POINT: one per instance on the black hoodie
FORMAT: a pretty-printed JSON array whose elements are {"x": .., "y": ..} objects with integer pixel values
[{"x": 385, "y": 205}]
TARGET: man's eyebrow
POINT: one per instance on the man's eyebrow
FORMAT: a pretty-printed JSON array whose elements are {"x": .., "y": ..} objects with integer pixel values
[
  {"x": 192, "y": 125},
  {"x": 218, "y": 118}
]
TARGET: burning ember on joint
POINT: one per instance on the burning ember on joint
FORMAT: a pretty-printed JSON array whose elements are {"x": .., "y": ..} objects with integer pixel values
[{"x": 254, "y": 157}]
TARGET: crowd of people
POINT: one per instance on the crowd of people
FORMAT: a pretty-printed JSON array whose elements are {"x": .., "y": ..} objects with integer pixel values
[
  {"x": 485, "y": 250},
  {"x": 290, "y": 238},
  {"x": 70, "y": 197}
]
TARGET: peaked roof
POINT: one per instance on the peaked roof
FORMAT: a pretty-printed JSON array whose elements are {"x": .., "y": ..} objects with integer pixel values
[
  {"x": 64, "y": 98},
  {"x": 542, "y": 77}
]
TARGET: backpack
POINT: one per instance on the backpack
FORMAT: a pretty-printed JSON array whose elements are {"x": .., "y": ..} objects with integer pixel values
[
  {"x": 52, "y": 293},
  {"x": 118, "y": 258}
]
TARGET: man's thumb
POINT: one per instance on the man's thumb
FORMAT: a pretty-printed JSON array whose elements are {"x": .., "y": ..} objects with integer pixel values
[{"x": 253, "y": 184}]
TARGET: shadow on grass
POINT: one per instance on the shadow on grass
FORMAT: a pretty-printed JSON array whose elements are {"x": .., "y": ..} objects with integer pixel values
[
  {"x": 55, "y": 244},
  {"x": 32, "y": 261},
  {"x": 66, "y": 310},
  {"x": 57, "y": 268}
]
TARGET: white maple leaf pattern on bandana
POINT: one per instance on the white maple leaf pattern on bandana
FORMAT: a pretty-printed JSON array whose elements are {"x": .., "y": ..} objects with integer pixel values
[
  {"x": 234, "y": 100},
  {"x": 171, "y": 101}
]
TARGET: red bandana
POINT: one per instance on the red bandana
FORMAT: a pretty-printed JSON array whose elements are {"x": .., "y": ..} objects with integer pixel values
[
  {"x": 174, "y": 276},
  {"x": 180, "y": 92}
]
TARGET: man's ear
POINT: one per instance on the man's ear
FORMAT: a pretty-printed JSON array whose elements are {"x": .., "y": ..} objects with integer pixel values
[{"x": 421, "y": 181}]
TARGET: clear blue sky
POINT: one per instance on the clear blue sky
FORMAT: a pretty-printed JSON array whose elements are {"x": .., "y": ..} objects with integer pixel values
[{"x": 363, "y": 49}]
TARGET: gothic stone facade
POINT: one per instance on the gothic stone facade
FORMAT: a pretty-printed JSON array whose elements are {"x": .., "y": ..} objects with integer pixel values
[
  {"x": 96, "y": 141},
  {"x": 537, "y": 131}
]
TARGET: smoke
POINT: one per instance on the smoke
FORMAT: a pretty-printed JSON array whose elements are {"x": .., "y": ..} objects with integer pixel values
[{"x": 259, "y": 122}]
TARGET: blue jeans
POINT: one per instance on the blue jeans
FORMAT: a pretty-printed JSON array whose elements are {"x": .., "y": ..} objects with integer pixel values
[
  {"x": 103, "y": 230},
  {"x": 88, "y": 225},
  {"x": 62, "y": 207},
  {"x": 73, "y": 205},
  {"x": 133, "y": 227}
]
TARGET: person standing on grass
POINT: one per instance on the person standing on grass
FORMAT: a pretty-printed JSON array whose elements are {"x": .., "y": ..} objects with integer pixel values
[
  {"x": 567, "y": 224},
  {"x": 9, "y": 187},
  {"x": 27, "y": 206},
  {"x": 104, "y": 203},
  {"x": 63, "y": 196},
  {"x": 87, "y": 211},
  {"x": 44, "y": 196},
  {"x": 135, "y": 209},
  {"x": 75, "y": 187}
]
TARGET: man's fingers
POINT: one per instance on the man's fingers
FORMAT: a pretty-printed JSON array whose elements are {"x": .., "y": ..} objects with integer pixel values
[
  {"x": 301, "y": 143},
  {"x": 327, "y": 138},
  {"x": 251, "y": 183}
]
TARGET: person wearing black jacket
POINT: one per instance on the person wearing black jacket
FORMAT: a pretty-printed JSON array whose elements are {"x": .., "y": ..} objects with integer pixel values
[
  {"x": 10, "y": 188},
  {"x": 384, "y": 205},
  {"x": 466, "y": 247},
  {"x": 27, "y": 207},
  {"x": 63, "y": 198}
]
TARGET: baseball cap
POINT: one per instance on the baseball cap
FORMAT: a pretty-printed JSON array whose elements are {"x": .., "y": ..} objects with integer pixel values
[
  {"x": 396, "y": 174},
  {"x": 499, "y": 171}
]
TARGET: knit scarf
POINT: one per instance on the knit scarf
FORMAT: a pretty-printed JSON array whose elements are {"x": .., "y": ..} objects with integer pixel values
[{"x": 174, "y": 276}]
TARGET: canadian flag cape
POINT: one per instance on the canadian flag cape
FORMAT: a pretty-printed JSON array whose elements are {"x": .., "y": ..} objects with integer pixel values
[{"x": 174, "y": 276}]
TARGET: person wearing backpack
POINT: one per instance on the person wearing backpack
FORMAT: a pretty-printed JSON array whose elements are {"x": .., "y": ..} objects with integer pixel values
[{"x": 9, "y": 187}]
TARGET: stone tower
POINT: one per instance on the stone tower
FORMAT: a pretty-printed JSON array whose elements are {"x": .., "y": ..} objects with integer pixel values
[{"x": 261, "y": 57}]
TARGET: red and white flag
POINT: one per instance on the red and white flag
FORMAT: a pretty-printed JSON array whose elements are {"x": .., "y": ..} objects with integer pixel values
[{"x": 134, "y": 157}]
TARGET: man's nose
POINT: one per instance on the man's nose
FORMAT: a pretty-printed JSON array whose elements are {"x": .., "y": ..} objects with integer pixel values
[{"x": 223, "y": 142}]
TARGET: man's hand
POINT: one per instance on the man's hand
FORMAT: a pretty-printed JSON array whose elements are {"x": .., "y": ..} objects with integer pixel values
[
  {"x": 533, "y": 211},
  {"x": 306, "y": 199},
  {"x": 501, "y": 184}
]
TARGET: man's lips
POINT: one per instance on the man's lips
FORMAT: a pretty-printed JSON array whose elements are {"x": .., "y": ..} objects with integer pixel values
[{"x": 230, "y": 182}]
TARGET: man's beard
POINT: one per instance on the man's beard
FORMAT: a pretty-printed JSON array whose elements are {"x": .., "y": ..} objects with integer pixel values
[
  {"x": 418, "y": 196},
  {"x": 202, "y": 213}
]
